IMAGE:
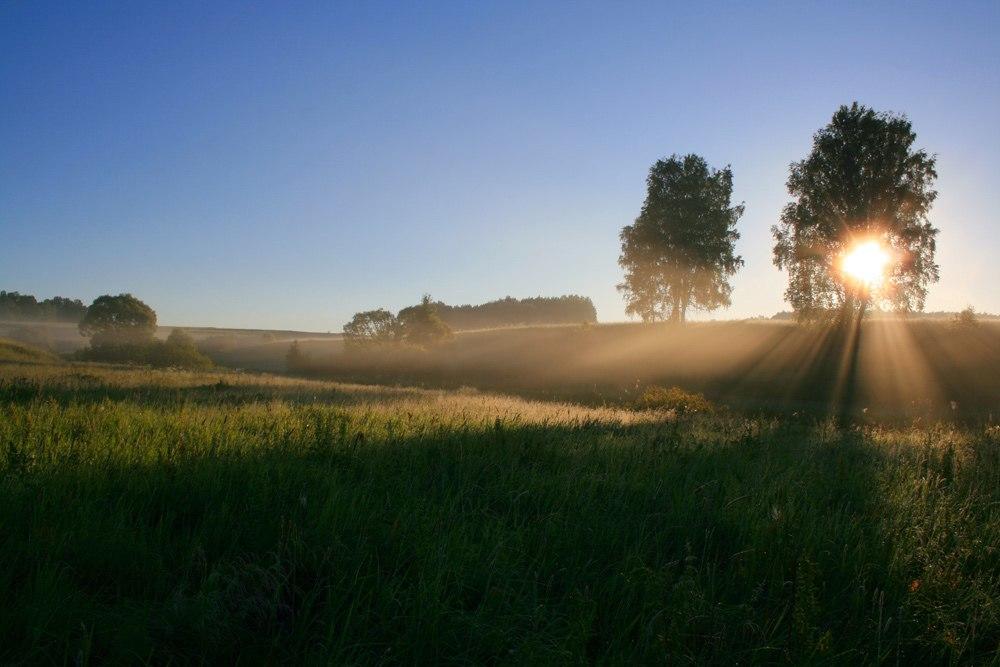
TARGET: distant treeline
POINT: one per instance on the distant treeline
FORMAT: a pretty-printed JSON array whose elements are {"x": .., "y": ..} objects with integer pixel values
[
  {"x": 25, "y": 307},
  {"x": 507, "y": 312}
]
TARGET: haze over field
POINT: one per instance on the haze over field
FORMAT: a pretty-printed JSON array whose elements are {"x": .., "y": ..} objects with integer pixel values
[
  {"x": 311, "y": 347},
  {"x": 243, "y": 166}
]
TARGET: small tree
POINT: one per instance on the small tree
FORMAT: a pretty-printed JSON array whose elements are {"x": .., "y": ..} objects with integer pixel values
[
  {"x": 178, "y": 350},
  {"x": 966, "y": 319},
  {"x": 679, "y": 252},
  {"x": 295, "y": 360},
  {"x": 180, "y": 339},
  {"x": 118, "y": 320},
  {"x": 372, "y": 327},
  {"x": 421, "y": 325}
]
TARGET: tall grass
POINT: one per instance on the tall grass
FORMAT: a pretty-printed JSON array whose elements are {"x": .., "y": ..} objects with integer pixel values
[{"x": 176, "y": 517}]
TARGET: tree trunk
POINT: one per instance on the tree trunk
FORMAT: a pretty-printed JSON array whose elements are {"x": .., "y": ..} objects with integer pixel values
[{"x": 675, "y": 311}]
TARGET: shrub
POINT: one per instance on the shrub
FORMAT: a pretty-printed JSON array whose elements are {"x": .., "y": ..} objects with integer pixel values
[
  {"x": 178, "y": 351},
  {"x": 676, "y": 399},
  {"x": 966, "y": 319},
  {"x": 296, "y": 360}
]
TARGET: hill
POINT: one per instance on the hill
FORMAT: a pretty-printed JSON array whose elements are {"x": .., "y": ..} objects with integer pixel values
[{"x": 15, "y": 352}]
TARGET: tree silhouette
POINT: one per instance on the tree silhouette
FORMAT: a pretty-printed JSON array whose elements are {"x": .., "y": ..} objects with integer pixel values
[
  {"x": 679, "y": 252},
  {"x": 862, "y": 182}
]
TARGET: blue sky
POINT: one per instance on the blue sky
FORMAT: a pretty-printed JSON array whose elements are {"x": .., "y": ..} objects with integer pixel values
[{"x": 284, "y": 165}]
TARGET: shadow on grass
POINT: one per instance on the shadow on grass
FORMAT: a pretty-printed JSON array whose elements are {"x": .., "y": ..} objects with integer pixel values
[{"x": 704, "y": 542}]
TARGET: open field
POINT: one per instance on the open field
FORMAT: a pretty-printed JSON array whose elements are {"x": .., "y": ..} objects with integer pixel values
[
  {"x": 65, "y": 337},
  {"x": 888, "y": 368},
  {"x": 166, "y": 516}
]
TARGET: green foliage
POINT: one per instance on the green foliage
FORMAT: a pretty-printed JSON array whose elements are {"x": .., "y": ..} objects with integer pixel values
[
  {"x": 507, "y": 312},
  {"x": 228, "y": 518},
  {"x": 862, "y": 180},
  {"x": 178, "y": 351},
  {"x": 675, "y": 399},
  {"x": 25, "y": 307},
  {"x": 679, "y": 253},
  {"x": 373, "y": 327},
  {"x": 118, "y": 320},
  {"x": 421, "y": 326}
]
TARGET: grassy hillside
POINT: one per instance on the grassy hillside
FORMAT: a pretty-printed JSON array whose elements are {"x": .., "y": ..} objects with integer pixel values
[
  {"x": 15, "y": 352},
  {"x": 64, "y": 337},
  {"x": 221, "y": 517}
]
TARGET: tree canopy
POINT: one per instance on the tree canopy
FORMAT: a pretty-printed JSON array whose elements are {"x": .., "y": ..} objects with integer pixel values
[
  {"x": 863, "y": 182},
  {"x": 679, "y": 253},
  {"x": 418, "y": 325},
  {"x": 25, "y": 307},
  {"x": 121, "y": 319},
  {"x": 421, "y": 324},
  {"x": 372, "y": 327},
  {"x": 566, "y": 309}
]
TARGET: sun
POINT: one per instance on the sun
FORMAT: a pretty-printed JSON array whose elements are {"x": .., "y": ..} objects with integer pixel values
[{"x": 865, "y": 264}]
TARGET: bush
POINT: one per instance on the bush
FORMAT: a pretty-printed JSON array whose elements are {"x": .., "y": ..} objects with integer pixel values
[
  {"x": 296, "y": 361},
  {"x": 966, "y": 319},
  {"x": 676, "y": 399},
  {"x": 178, "y": 351}
]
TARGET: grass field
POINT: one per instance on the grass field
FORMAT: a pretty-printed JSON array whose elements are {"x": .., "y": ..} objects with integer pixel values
[{"x": 165, "y": 517}]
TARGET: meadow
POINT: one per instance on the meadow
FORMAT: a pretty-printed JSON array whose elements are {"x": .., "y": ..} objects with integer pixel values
[
  {"x": 889, "y": 368},
  {"x": 223, "y": 517}
]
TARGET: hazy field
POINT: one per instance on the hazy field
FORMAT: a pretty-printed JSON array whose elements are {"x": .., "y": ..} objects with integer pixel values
[
  {"x": 65, "y": 337},
  {"x": 886, "y": 368},
  {"x": 171, "y": 516}
]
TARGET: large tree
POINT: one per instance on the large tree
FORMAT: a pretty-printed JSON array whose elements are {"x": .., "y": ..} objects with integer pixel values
[
  {"x": 679, "y": 252},
  {"x": 115, "y": 320},
  {"x": 863, "y": 183}
]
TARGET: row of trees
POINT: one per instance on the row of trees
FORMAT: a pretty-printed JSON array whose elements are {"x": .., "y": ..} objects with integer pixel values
[
  {"x": 121, "y": 329},
  {"x": 419, "y": 325},
  {"x": 26, "y": 308},
  {"x": 863, "y": 181},
  {"x": 506, "y": 312},
  {"x": 431, "y": 322}
]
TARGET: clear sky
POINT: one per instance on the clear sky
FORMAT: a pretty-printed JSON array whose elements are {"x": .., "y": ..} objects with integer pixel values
[{"x": 284, "y": 165}]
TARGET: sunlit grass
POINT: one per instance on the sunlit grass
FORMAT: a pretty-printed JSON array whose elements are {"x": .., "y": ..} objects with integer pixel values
[{"x": 171, "y": 516}]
